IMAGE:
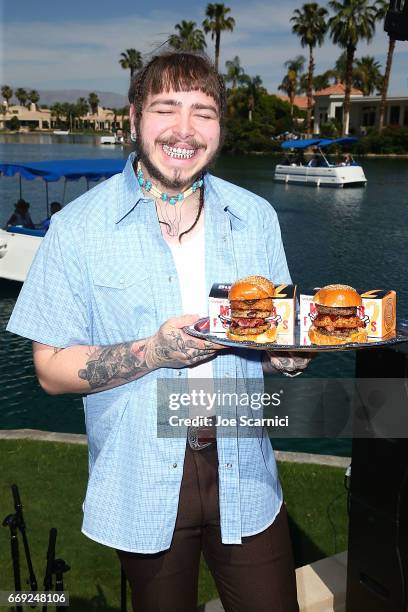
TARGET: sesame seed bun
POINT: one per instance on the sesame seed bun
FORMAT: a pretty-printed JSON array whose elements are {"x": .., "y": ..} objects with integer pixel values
[
  {"x": 252, "y": 288},
  {"x": 338, "y": 296}
]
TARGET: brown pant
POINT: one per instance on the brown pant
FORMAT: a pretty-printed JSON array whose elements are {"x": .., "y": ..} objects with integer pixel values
[{"x": 255, "y": 576}]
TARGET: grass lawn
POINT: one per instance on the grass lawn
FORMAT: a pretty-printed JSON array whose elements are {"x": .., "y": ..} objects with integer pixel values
[{"x": 52, "y": 481}]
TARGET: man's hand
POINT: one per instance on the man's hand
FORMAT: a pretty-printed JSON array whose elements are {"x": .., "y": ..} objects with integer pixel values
[
  {"x": 289, "y": 364},
  {"x": 170, "y": 347}
]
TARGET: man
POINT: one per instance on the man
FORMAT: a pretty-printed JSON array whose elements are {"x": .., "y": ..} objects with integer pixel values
[
  {"x": 104, "y": 305},
  {"x": 21, "y": 216},
  {"x": 54, "y": 208}
]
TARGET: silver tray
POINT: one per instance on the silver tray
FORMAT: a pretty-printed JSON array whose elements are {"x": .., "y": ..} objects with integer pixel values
[{"x": 296, "y": 342}]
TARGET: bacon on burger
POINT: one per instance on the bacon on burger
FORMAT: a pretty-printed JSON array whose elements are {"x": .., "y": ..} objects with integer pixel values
[
  {"x": 251, "y": 308},
  {"x": 337, "y": 320}
]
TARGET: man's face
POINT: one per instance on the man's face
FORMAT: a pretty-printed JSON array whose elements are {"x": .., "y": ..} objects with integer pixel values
[{"x": 178, "y": 136}]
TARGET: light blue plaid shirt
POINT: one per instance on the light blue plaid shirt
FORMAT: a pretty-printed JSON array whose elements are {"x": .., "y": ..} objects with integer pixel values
[{"x": 104, "y": 275}]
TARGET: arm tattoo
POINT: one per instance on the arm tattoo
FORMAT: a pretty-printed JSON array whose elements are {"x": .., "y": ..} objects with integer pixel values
[
  {"x": 172, "y": 348},
  {"x": 118, "y": 362}
]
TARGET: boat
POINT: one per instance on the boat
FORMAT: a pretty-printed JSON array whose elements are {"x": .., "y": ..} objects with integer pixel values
[
  {"x": 61, "y": 132},
  {"x": 18, "y": 245},
  {"x": 316, "y": 170},
  {"x": 111, "y": 140}
]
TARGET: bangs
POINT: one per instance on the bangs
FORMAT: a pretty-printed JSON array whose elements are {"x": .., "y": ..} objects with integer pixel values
[{"x": 177, "y": 72}]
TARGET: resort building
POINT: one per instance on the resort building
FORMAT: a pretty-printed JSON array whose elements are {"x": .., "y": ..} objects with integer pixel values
[
  {"x": 44, "y": 119},
  {"x": 364, "y": 110}
]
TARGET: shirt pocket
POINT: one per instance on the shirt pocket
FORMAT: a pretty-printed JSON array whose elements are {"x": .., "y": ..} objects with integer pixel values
[{"x": 124, "y": 308}]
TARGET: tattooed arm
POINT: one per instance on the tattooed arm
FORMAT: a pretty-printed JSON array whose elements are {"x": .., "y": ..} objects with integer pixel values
[{"x": 87, "y": 369}]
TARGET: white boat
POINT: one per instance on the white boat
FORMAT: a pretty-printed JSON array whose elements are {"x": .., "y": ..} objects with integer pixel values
[
  {"x": 18, "y": 245},
  {"x": 318, "y": 171},
  {"x": 111, "y": 140},
  {"x": 17, "y": 250},
  {"x": 61, "y": 132}
]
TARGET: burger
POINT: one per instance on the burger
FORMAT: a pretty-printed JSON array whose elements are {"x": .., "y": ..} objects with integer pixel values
[
  {"x": 337, "y": 321},
  {"x": 251, "y": 308}
]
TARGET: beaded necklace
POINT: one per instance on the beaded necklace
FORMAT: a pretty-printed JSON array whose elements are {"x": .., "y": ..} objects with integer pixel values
[{"x": 165, "y": 197}]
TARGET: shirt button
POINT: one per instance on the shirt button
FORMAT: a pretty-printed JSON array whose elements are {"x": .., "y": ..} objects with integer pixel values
[
  {"x": 121, "y": 280},
  {"x": 228, "y": 466},
  {"x": 179, "y": 373},
  {"x": 170, "y": 279},
  {"x": 174, "y": 465}
]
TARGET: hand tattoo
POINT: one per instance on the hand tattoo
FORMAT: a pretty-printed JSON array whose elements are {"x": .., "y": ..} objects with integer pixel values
[
  {"x": 118, "y": 362},
  {"x": 170, "y": 349}
]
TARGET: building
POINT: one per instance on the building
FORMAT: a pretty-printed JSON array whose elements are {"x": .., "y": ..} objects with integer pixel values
[
  {"x": 45, "y": 119},
  {"x": 299, "y": 101},
  {"x": 364, "y": 110}
]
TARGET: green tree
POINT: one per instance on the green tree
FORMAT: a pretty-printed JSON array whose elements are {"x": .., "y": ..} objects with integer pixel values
[
  {"x": 93, "y": 101},
  {"x": 253, "y": 90},
  {"x": 131, "y": 59},
  {"x": 353, "y": 20},
  {"x": 291, "y": 81},
  {"x": 382, "y": 8},
  {"x": 57, "y": 111},
  {"x": 367, "y": 75},
  {"x": 21, "y": 95},
  {"x": 69, "y": 112},
  {"x": 14, "y": 124},
  {"x": 81, "y": 108},
  {"x": 188, "y": 38},
  {"x": 7, "y": 93},
  {"x": 309, "y": 23},
  {"x": 33, "y": 96},
  {"x": 234, "y": 71},
  {"x": 217, "y": 21}
]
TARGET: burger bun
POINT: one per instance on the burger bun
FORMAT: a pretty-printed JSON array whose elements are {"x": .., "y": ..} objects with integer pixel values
[
  {"x": 251, "y": 288},
  {"x": 267, "y": 336},
  {"x": 337, "y": 296}
]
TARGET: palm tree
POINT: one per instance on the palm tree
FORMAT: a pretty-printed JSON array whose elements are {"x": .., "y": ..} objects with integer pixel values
[
  {"x": 321, "y": 81},
  {"x": 290, "y": 82},
  {"x": 234, "y": 71},
  {"x": 353, "y": 21},
  {"x": 131, "y": 59},
  {"x": 310, "y": 25},
  {"x": 253, "y": 90},
  {"x": 367, "y": 75},
  {"x": 81, "y": 107},
  {"x": 21, "y": 96},
  {"x": 7, "y": 93},
  {"x": 33, "y": 96},
  {"x": 189, "y": 38},
  {"x": 93, "y": 101},
  {"x": 57, "y": 111},
  {"x": 382, "y": 8},
  {"x": 217, "y": 21}
]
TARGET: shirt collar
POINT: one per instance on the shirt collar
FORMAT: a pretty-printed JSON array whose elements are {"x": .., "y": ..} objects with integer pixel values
[{"x": 130, "y": 193}]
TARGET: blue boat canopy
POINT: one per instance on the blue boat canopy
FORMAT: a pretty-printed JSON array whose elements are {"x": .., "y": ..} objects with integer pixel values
[
  {"x": 317, "y": 142},
  {"x": 326, "y": 142},
  {"x": 70, "y": 169},
  {"x": 300, "y": 144}
]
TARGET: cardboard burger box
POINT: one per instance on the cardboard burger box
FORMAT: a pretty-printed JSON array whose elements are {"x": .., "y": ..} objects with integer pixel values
[
  {"x": 284, "y": 308},
  {"x": 379, "y": 308}
]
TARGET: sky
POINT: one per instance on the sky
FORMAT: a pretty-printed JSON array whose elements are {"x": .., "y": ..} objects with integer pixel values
[{"x": 77, "y": 45}]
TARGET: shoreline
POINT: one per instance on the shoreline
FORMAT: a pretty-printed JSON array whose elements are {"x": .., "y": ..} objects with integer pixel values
[{"x": 66, "y": 438}]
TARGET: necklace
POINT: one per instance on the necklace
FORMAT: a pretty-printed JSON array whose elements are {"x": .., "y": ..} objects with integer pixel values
[{"x": 161, "y": 195}]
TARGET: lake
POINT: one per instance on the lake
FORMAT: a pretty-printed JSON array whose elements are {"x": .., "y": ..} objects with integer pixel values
[{"x": 354, "y": 236}]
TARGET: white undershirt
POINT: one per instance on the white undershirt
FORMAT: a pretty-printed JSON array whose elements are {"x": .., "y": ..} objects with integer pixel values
[{"x": 189, "y": 259}]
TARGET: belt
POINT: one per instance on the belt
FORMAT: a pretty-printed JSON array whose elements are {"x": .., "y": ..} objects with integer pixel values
[{"x": 201, "y": 437}]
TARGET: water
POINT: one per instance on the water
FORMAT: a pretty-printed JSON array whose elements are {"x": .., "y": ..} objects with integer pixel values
[{"x": 352, "y": 236}]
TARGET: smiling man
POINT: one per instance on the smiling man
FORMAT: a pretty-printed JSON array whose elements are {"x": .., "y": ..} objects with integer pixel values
[{"x": 119, "y": 274}]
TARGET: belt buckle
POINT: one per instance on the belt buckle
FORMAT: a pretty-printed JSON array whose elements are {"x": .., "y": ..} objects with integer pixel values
[{"x": 193, "y": 439}]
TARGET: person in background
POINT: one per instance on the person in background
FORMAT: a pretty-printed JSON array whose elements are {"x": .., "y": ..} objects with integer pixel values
[
  {"x": 21, "y": 216},
  {"x": 45, "y": 224},
  {"x": 347, "y": 160}
]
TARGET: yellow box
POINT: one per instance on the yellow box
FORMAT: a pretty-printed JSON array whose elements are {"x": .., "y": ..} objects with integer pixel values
[
  {"x": 380, "y": 307},
  {"x": 284, "y": 306}
]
